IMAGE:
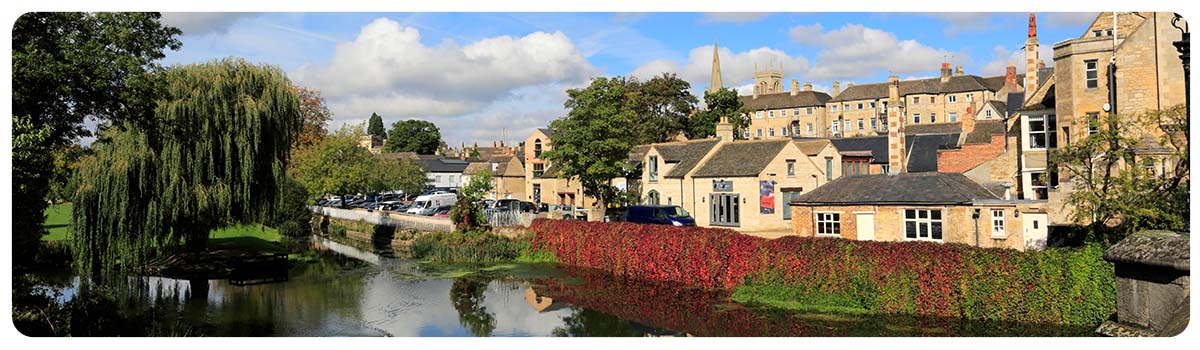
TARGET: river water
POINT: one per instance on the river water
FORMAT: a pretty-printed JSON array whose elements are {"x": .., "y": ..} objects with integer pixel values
[{"x": 351, "y": 292}]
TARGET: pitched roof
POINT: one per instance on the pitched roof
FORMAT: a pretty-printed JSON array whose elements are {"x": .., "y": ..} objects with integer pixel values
[
  {"x": 685, "y": 154},
  {"x": 475, "y": 167},
  {"x": 637, "y": 153},
  {"x": 998, "y": 105},
  {"x": 785, "y": 100},
  {"x": 399, "y": 155},
  {"x": 1014, "y": 102},
  {"x": 984, "y": 130},
  {"x": 922, "y": 150},
  {"x": 741, "y": 158},
  {"x": 875, "y": 145},
  {"x": 939, "y": 128},
  {"x": 812, "y": 147},
  {"x": 444, "y": 165},
  {"x": 957, "y": 83},
  {"x": 997, "y": 82},
  {"x": 903, "y": 188},
  {"x": 1043, "y": 98}
]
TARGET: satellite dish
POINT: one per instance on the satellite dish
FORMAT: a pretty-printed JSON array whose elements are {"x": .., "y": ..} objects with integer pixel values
[{"x": 1107, "y": 108}]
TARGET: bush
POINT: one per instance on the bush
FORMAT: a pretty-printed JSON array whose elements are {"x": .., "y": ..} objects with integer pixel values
[
  {"x": 1066, "y": 286},
  {"x": 468, "y": 247}
]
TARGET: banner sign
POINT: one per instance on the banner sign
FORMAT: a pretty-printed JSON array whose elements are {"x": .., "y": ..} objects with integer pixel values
[{"x": 766, "y": 197}]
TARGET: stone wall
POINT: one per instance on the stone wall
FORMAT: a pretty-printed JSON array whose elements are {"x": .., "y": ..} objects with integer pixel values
[{"x": 958, "y": 226}]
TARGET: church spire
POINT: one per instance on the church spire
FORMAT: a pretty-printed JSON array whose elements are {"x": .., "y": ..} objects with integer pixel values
[{"x": 715, "y": 84}]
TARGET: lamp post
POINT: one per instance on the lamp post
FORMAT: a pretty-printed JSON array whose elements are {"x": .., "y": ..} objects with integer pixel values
[{"x": 1184, "y": 48}]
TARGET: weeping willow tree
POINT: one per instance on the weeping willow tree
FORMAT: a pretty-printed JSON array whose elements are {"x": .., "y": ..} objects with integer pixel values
[{"x": 215, "y": 155}]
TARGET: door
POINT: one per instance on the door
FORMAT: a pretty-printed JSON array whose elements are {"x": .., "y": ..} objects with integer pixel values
[
  {"x": 866, "y": 226},
  {"x": 1035, "y": 230}
]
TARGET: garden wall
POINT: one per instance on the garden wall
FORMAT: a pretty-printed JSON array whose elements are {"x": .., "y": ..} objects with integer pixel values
[{"x": 1063, "y": 286}]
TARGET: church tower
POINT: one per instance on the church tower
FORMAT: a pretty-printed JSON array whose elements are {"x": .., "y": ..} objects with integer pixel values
[
  {"x": 715, "y": 84},
  {"x": 769, "y": 81}
]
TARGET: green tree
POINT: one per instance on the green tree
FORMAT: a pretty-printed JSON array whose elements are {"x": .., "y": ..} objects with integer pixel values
[
  {"x": 413, "y": 135},
  {"x": 31, "y": 157},
  {"x": 722, "y": 103},
  {"x": 592, "y": 143},
  {"x": 375, "y": 126},
  {"x": 467, "y": 213},
  {"x": 66, "y": 161},
  {"x": 1132, "y": 174},
  {"x": 338, "y": 165},
  {"x": 314, "y": 114},
  {"x": 662, "y": 105},
  {"x": 215, "y": 157}
]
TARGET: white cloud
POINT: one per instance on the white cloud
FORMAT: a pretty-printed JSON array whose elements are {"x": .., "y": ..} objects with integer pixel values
[
  {"x": 1002, "y": 56},
  {"x": 388, "y": 70},
  {"x": 201, "y": 23},
  {"x": 733, "y": 17},
  {"x": 736, "y": 68},
  {"x": 959, "y": 22},
  {"x": 1067, "y": 19},
  {"x": 856, "y": 51}
]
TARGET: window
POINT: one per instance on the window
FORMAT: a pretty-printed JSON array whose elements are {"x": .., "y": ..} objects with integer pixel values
[
  {"x": 1096, "y": 33},
  {"x": 770, "y": 114},
  {"x": 758, "y": 115},
  {"x": 847, "y": 107},
  {"x": 746, "y": 133},
  {"x": 917, "y": 118},
  {"x": 828, "y": 169},
  {"x": 874, "y": 124},
  {"x": 1089, "y": 67},
  {"x": 1039, "y": 183},
  {"x": 1093, "y": 122},
  {"x": 933, "y": 117},
  {"x": 652, "y": 198},
  {"x": 846, "y": 125},
  {"x": 860, "y": 124},
  {"x": 810, "y": 128},
  {"x": 1042, "y": 132},
  {"x": 834, "y": 127},
  {"x": 932, "y": 99},
  {"x": 884, "y": 168},
  {"x": 998, "y": 223},
  {"x": 795, "y": 111},
  {"x": 758, "y": 133},
  {"x": 724, "y": 209},
  {"x": 1108, "y": 32},
  {"x": 791, "y": 167},
  {"x": 809, "y": 110},
  {"x": 1066, "y": 135},
  {"x": 923, "y": 224},
  {"x": 860, "y": 105},
  {"x": 852, "y": 167},
  {"x": 969, "y": 97},
  {"x": 833, "y": 108},
  {"x": 916, "y": 99},
  {"x": 872, "y": 105},
  {"x": 829, "y": 224},
  {"x": 537, "y": 148},
  {"x": 952, "y": 99},
  {"x": 538, "y": 169},
  {"x": 988, "y": 113},
  {"x": 783, "y": 131},
  {"x": 771, "y": 132},
  {"x": 788, "y": 196},
  {"x": 953, "y": 117},
  {"x": 652, "y": 166}
]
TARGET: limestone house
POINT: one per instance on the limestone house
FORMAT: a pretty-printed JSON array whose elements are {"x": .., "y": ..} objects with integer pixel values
[
  {"x": 508, "y": 176},
  {"x": 929, "y": 206},
  {"x": 665, "y": 169}
]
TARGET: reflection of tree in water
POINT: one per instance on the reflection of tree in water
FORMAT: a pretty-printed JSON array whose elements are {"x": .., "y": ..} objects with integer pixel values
[
  {"x": 588, "y": 323},
  {"x": 466, "y": 295}
]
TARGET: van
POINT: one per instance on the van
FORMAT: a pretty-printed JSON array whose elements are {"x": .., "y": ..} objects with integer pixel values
[
  {"x": 659, "y": 215},
  {"x": 424, "y": 205}
]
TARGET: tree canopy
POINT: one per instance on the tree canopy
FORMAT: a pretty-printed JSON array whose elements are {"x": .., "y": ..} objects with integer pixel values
[
  {"x": 662, "y": 105},
  {"x": 215, "y": 157},
  {"x": 375, "y": 126},
  {"x": 467, "y": 213},
  {"x": 413, "y": 135},
  {"x": 30, "y": 159},
  {"x": 314, "y": 114},
  {"x": 722, "y": 103},
  {"x": 338, "y": 165}
]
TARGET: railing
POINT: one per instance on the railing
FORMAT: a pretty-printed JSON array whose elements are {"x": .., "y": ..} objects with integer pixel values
[
  {"x": 397, "y": 220},
  {"x": 507, "y": 218}
]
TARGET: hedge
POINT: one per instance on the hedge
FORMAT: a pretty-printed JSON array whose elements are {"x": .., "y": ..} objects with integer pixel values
[{"x": 1061, "y": 286}]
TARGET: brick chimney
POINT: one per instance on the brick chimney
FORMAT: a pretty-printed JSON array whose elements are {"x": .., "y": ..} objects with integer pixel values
[
  {"x": 945, "y": 72},
  {"x": 795, "y": 87},
  {"x": 895, "y": 119},
  {"x": 1010, "y": 78},
  {"x": 724, "y": 130},
  {"x": 807, "y": 86},
  {"x": 1032, "y": 61},
  {"x": 836, "y": 89},
  {"x": 958, "y": 70},
  {"x": 968, "y": 120}
]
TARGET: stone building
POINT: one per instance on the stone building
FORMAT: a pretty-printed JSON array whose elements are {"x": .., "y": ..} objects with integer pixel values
[
  {"x": 372, "y": 143},
  {"x": 508, "y": 176}
]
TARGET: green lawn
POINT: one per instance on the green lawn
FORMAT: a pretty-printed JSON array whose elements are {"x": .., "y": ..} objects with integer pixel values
[{"x": 57, "y": 218}]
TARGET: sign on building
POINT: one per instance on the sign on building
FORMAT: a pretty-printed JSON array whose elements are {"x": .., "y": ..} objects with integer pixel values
[{"x": 766, "y": 197}]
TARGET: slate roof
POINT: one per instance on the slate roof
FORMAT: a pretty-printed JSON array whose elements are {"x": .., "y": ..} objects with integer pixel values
[
  {"x": 998, "y": 105},
  {"x": 939, "y": 128},
  {"x": 475, "y": 167},
  {"x": 957, "y": 83},
  {"x": 1042, "y": 99},
  {"x": 637, "y": 153},
  {"x": 997, "y": 82},
  {"x": 399, "y": 155},
  {"x": 545, "y": 131},
  {"x": 1014, "y": 103},
  {"x": 785, "y": 100},
  {"x": 876, "y": 145},
  {"x": 444, "y": 165},
  {"x": 904, "y": 188},
  {"x": 922, "y": 150},
  {"x": 685, "y": 154},
  {"x": 813, "y": 147},
  {"x": 741, "y": 158},
  {"x": 984, "y": 130}
]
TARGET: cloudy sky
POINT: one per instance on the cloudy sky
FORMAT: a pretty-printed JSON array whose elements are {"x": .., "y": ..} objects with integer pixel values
[{"x": 483, "y": 77}]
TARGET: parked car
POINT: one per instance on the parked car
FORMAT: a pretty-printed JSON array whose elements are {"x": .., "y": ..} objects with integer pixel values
[
  {"x": 659, "y": 215},
  {"x": 615, "y": 214},
  {"x": 387, "y": 205},
  {"x": 442, "y": 212},
  {"x": 543, "y": 207},
  {"x": 424, "y": 205},
  {"x": 570, "y": 212},
  {"x": 505, "y": 204},
  {"x": 397, "y": 207}
]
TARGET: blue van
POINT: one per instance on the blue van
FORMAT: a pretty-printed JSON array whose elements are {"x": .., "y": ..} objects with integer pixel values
[{"x": 659, "y": 215}]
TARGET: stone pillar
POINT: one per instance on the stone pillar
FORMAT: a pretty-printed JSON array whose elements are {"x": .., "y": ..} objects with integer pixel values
[
  {"x": 895, "y": 121},
  {"x": 1152, "y": 284}
]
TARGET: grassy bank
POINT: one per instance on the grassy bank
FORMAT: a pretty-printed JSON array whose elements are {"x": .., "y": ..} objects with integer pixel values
[
  {"x": 476, "y": 247},
  {"x": 58, "y": 216}
]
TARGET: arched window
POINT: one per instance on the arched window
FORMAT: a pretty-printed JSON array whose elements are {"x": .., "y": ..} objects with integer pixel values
[
  {"x": 537, "y": 148},
  {"x": 652, "y": 198}
]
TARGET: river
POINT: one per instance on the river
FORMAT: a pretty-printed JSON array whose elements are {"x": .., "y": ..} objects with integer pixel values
[{"x": 351, "y": 292}]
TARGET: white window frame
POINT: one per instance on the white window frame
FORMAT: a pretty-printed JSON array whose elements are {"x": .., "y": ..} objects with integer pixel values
[
  {"x": 969, "y": 97},
  {"x": 1094, "y": 70},
  {"x": 796, "y": 111},
  {"x": 809, "y": 110},
  {"x": 916, "y": 118},
  {"x": 952, "y": 99},
  {"x": 833, "y": 108},
  {"x": 860, "y": 106},
  {"x": 1047, "y": 131},
  {"x": 861, "y": 125},
  {"x": 810, "y": 129},
  {"x": 758, "y": 133},
  {"x": 771, "y": 114},
  {"x": 771, "y": 132},
  {"x": 923, "y": 226},
  {"x": 998, "y": 230},
  {"x": 829, "y": 224},
  {"x": 874, "y": 124},
  {"x": 988, "y": 113},
  {"x": 791, "y": 168},
  {"x": 954, "y": 116},
  {"x": 933, "y": 118},
  {"x": 758, "y": 115},
  {"x": 653, "y": 168}
]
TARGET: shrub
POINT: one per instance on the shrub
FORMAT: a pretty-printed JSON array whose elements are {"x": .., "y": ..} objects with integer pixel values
[
  {"x": 1066, "y": 286},
  {"x": 467, "y": 247}
]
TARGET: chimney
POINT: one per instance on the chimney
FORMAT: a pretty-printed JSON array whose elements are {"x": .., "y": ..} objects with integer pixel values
[
  {"x": 849, "y": 85},
  {"x": 1032, "y": 61},
  {"x": 1010, "y": 78},
  {"x": 958, "y": 70},
  {"x": 724, "y": 130},
  {"x": 836, "y": 89},
  {"x": 795, "y": 87},
  {"x": 945, "y": 72},
  {"x": 807, "y": 86},
  {"x": 968, "y": 120},
  {"x": 895, "y": 119}
]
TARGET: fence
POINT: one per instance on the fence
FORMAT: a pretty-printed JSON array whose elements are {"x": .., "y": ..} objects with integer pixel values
[
  {"x": 397, "y": 220},
  {"x": 507, "y": 218}
]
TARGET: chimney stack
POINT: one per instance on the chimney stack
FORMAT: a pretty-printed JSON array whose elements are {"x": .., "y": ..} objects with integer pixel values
[
  {"x": 968, "y": 120},
  {"x": 1010, "y": 78},
  {"x": 849, "y": 85},
  {"x": 795, "y": 87},
  {"x": 836, "y": 89},
  {"x": 808, "y": 86},
  {"x": 1032, "y": 61},
  {"x": 945, "y": 72},
  {"x": 896, "y": 120},
  {"x": 724, "y": 130},
  {"x": 958, "y": 70}
]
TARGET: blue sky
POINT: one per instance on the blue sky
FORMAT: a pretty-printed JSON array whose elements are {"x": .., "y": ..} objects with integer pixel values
[{"x": 483, "y": 77}]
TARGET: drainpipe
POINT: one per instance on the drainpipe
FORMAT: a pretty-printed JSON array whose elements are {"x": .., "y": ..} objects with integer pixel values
[{"x": 976, "y": 217}]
